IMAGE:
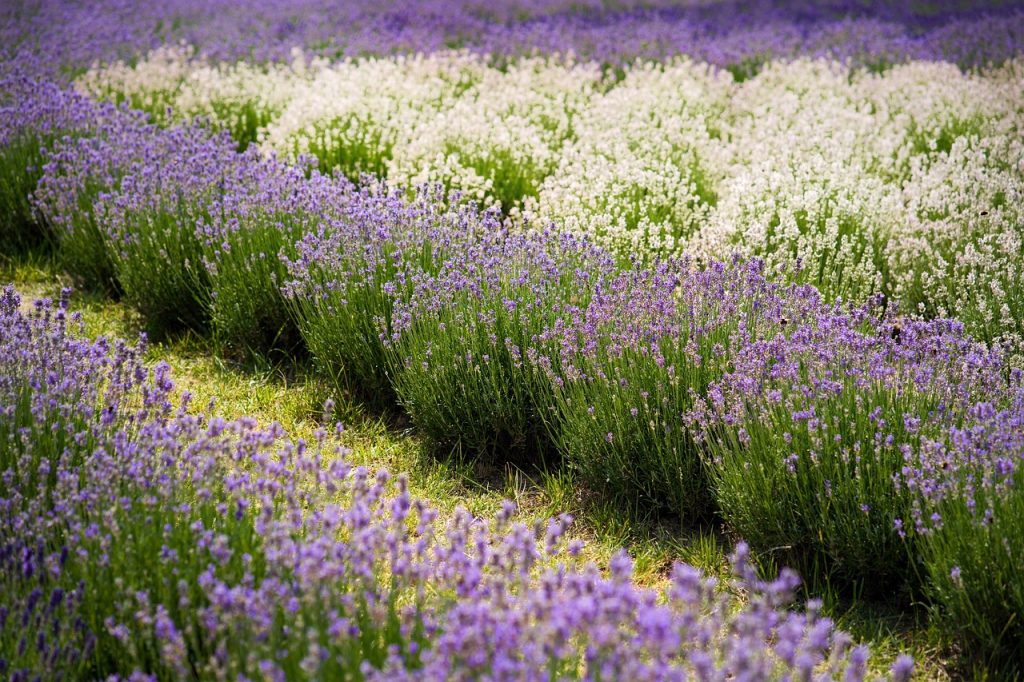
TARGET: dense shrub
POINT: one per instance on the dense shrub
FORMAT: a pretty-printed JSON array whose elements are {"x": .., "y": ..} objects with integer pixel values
[
  {"x": 637, "y": 358},
  {"x": 474, "y": 344},
  {"x": 811, "y": 432},
  {"x": 348, "y": 276},
  {"x": 967, "y": 512},
  {"x": 33, "y": 117}
]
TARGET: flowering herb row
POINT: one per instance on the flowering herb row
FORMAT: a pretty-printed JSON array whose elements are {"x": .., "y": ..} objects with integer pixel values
[
  {"x": 52, "y": 34},
  {"x": 873, "y": 450}
]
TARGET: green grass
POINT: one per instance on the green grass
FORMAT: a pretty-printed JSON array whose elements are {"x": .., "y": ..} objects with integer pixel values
[
  {"x": 293, "y": 395},
  {"x": 973, "y": 562}
]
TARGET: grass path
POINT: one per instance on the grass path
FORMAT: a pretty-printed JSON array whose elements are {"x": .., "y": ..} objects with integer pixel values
[{"x": 294, "y": 397}]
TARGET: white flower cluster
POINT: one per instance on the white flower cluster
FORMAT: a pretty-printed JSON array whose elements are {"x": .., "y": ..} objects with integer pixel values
[
  {"x": 801, "y": 182},
  {"x": 645, "y": 167},
  {"x": 501, "y": 137},
  {"x": 150, "y": 84},
  {"x": 174, "y": 84},
  {"x": 353, "y": 115},
  {"x": 908, "y": 182}
]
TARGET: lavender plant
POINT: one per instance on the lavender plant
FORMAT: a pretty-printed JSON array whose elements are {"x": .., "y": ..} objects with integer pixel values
[
  {"x": 77, "y": 173},
  {"x": 350, "y": 115},
  {"x": 33, "y": 116},
  {"x": 189, "y": 229},
  {"x": 959, "y": 260},
  {"x": 809, "y": 434},
  {"x": 474, "y": 357},
  {"x": 968, "y": 502},
  {"x": 173, "y": 186},
  {"x": 266, "y": 207},
  {"x": 636, "y": 358},
  {"x": 348, "y": 276}
]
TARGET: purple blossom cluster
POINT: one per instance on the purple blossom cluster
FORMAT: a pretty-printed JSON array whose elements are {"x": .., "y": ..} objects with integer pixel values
[
  {"x": 830, "y": 416},
  {"x": 95, "y": 184},
  {"x": 33, "y": 115},
  {"x": 971, "y": 523},
  {"x": 649, "y": 344},
  {"x": 55, "y": 33},
  {"x": 39, "y": 108},
  {"x": 476, "y": 331},
  {"x": 186, "y": 227},
  {"x": 346, "y": 277},
  {"x": 147, "y": 541},
  {"x": 990, "y": 443}
]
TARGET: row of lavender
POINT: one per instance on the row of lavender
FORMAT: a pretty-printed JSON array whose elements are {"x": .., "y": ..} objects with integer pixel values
[
  {"x": 54, "y": 33},
  {"x": 143, "y": 541},
  {"x": 864, "y": 449}
]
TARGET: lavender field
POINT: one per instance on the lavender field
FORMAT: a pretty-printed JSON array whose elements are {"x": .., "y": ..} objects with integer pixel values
[{"x": 517, "y": 340}]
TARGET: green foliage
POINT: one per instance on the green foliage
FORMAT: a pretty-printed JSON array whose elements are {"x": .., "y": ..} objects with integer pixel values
[
  {"x": 624, "y": 429},
  {"x": 351, "y": 146},
  {"x": 21, "y": 162},
  {"x": 974, "y": 566},
  {"x": 84, "y": 251},
  {"x": 249, "y": 316},
  {"x": 158, "y": 259},
  {"x": 814, "y": 481},
  {"x": 473, "y": 368},
  {"x": 345, "y": 311},
  {"x": 471, "y": 388}
]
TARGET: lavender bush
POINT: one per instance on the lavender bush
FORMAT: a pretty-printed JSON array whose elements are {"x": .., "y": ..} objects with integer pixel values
[
  {"x": 191, "y": 231},
  {"x": 475, "y": 352},
  {"x": 251, "y": 229},
  {"x": 809, "y": 434},
  {"x": 152, "y": 225},
  {"x": 348, "y": 276},
  {"x": 79, "y": 171},
  {"x": 33, "y": 116},
  {"x": 967, "y": 505},
  {"x": 641, "y": 353}
]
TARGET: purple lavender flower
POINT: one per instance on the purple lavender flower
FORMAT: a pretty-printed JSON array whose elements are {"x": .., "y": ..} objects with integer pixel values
[{"x": 871, "y": 33}]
